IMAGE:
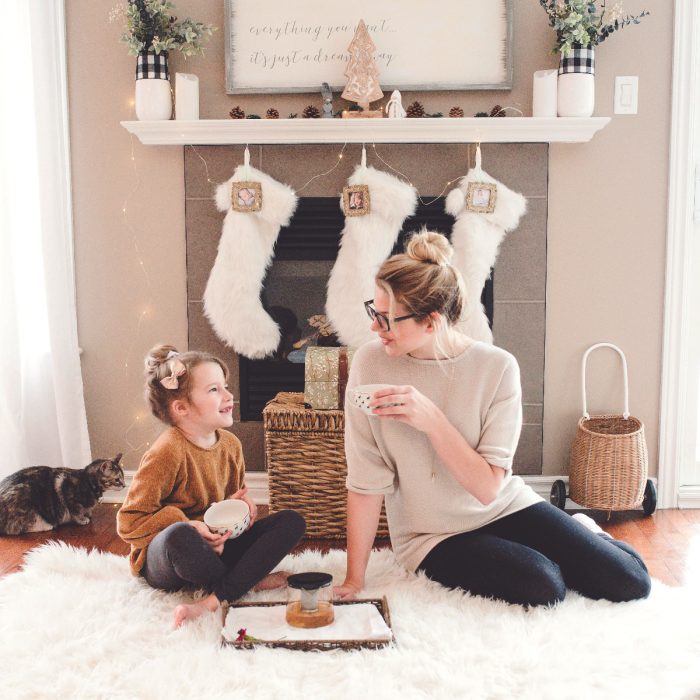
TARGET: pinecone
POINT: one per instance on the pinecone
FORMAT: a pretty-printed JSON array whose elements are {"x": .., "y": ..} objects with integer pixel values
[
  {"x": 498, "y": 111},
  {"x": 237, "y": 113},
  {"x": 457, "y": 112},
  {"x": 481, "y": 114},
  {"x": 272, "y": 113},
  {"x": 415, "y": 110},
  {"x": 311, "y": 112}
]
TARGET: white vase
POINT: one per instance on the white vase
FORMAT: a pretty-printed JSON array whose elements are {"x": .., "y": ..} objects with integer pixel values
[
  {"x": 152, "y": 94},
  {"x": 153, "y": 100},
  {"x": 576, "y": 83}
]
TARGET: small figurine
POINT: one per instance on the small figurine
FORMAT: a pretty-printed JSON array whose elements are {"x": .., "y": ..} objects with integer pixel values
[
  {"x": 327, "y": 101},
  {"x": 394, "y": 108}
]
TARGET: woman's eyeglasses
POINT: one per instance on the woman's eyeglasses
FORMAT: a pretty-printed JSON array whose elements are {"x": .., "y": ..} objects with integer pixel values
[{"x": 382, "y": 319}]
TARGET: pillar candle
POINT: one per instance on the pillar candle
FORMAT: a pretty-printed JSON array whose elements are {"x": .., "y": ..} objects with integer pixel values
[
  {"x": 544, "y": 93},
  {"x": 186, "y": 96}
]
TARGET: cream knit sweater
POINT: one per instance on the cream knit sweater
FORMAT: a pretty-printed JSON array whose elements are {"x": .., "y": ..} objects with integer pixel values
[{"x": 479, "y": 392}]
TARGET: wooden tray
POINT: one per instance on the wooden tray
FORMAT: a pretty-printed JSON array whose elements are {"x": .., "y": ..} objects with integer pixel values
[{"x": 312, "y": 645}]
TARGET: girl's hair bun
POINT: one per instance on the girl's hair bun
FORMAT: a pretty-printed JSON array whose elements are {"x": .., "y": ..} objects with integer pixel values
[
  {"x": 429, "y": 247},
  {"x": 157, "y": 356}
]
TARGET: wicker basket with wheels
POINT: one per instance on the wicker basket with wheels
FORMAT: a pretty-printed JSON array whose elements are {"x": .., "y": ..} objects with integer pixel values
[{"x": 608, "y": 466}]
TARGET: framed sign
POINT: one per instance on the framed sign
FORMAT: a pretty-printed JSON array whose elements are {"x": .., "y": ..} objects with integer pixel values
[{"x": 282, "y": 46}]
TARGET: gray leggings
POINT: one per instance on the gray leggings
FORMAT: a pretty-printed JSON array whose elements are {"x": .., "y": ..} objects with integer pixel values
[{"x": 178, "y": 557}]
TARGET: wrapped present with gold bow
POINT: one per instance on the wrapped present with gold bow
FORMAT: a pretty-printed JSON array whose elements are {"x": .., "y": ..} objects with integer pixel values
[{"x": 326, "y": 376}]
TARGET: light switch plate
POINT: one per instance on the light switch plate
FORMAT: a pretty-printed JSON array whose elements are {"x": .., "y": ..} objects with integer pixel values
[{"x": 626, "y": 93}]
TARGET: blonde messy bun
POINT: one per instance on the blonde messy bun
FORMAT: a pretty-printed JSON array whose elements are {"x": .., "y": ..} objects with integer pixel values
[
  {"x": 429, "y": 247},
  {"x": 422, "y": 280},
  {"x": 158, "y": 364}
]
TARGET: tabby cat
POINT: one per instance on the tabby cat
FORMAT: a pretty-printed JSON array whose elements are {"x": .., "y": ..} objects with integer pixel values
[{"x": 41, "y": 498}]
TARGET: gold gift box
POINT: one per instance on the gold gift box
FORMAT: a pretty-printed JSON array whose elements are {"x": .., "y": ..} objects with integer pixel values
[{"x": 326, "y": 376}]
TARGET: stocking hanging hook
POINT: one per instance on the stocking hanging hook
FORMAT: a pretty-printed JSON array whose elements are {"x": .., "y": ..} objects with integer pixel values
[
  {"x": 477, "y": 163},
  {"x": 246, "y": 162}
]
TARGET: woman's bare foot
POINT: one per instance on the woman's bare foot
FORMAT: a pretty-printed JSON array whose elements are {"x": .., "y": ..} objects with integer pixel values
[
  {"x": 276, "y": 579},
  {"x": 191, "y": 611}
]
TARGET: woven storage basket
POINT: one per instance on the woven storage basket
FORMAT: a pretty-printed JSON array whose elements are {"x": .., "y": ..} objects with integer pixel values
[
  {"x": 608, "y": 466},
  {"x": 305, "y": 454}
]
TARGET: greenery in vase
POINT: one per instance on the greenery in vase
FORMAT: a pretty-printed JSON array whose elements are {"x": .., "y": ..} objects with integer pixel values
[
  {"x": 150, "y": 25},
  {"x": 585, "y": 22}
]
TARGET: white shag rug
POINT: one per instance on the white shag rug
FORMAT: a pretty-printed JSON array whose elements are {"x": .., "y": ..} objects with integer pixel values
[{"x": 75, "y": 624}]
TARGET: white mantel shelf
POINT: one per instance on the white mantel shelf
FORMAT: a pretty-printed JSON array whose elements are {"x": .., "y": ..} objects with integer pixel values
[{"x": 444, "y": 130}]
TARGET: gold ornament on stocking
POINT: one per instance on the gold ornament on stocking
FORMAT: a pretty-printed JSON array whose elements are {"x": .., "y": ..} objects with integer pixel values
[{"x": 362, "y": 74}]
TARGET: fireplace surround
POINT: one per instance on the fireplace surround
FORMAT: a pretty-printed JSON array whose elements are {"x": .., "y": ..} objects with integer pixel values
[{"x": 515, "y": 300}]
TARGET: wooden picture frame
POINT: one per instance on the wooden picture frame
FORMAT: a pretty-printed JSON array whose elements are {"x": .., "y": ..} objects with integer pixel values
[
  {"x": 282, "y": 47},
  {"x": 356, "y": 200},
  {"x": 246, "y": 196},
  {"x": 481, "y": 197}
]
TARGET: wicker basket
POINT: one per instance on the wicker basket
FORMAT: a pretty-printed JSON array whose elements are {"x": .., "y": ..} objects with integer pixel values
[
  {"x": 609, "y": 464},
  {"x": 305, "y": 455}
]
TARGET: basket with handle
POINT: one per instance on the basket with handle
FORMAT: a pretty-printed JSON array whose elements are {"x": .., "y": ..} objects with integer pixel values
[{"x": 609, "y": 464}]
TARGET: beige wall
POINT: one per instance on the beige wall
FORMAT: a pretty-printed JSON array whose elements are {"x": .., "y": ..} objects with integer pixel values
[{"x": 606, "y": 228}]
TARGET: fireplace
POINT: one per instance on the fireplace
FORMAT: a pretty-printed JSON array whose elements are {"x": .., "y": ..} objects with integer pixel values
[
  {"x": 295, "y": 286},
  {"x": 295, "y": 290}
]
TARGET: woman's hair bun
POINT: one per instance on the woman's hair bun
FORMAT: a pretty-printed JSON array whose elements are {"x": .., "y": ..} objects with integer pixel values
[
  {"x": 429, "y": 247},
  {"x": 157, "y": 355}
]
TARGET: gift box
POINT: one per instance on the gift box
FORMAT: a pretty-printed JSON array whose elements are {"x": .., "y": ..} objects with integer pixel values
[{"x": 326, "y": 376}]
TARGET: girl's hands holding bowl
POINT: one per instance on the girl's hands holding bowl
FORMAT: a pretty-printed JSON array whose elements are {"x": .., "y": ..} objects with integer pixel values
[
  {"x": 409, "y": 406},
  {"x": 242, "y": 495},
  {"x": 213, "y": 539}
]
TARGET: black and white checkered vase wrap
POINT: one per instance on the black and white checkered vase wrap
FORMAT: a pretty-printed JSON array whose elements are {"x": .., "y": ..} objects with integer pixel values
[
  {"x": 578, "y": 61},
  {"x": 151, "y": 65}
]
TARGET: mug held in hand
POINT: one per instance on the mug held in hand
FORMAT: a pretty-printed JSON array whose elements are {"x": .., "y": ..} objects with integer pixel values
[{"x": 362, "y": 395}]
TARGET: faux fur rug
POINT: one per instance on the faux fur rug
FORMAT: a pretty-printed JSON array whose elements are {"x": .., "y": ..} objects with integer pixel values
[{"x": 75, "y": 625}]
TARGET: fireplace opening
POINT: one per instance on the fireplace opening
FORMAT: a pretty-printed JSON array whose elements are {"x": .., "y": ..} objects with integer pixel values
[{"x": 294, "y": 293}]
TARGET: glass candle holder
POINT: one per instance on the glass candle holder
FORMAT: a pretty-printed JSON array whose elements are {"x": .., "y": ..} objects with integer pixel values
[{"x": 309, "y": 600}]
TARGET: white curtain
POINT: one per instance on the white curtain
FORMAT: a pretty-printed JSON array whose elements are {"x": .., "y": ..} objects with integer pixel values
[{"x": 42, "y": 410}]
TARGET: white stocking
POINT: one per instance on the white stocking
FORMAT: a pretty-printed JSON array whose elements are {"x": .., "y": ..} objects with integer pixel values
[
  {"x": 476, "y": 238},
  {"x": 232, "y": 297},
  {"x": 366, "y": 243}
]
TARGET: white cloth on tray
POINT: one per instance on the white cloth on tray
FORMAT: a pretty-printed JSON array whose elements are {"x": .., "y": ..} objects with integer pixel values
[{"x": 361, "y": 621}]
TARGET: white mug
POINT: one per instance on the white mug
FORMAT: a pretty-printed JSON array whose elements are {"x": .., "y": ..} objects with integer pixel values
[{"x": 362, "y": 395}]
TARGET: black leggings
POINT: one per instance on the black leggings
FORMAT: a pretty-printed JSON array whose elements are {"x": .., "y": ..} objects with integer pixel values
[
  {"x": 531, "y": 557},
  {"x": 178, "y": 557}
]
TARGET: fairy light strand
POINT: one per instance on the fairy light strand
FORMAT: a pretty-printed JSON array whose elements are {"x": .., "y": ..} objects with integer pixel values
[
  {"x": 327, "y": 172},
  {"x": 204, "y": 162},
  {"x": 145, "y": 311},
  {"x": 407, "y": 179}
]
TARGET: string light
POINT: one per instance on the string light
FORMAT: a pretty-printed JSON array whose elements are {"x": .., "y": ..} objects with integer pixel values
[
  {"x": 206, "y": 167},
  {"x": 398, "y": 172},
  {"x": 140, "y": 417},
  {"x": 296, "y": 189}
]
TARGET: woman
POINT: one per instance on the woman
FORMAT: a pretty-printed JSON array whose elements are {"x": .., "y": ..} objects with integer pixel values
[{"x": 439, "y": 449}]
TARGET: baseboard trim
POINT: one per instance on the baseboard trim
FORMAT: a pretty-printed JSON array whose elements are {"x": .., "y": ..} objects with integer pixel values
[
  {"x": 256, "y": 482},
  {"x": 689, "y": 497},
  {"x": 259, "y": 491}
]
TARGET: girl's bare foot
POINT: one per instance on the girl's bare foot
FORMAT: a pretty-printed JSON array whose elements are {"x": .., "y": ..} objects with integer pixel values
[
  {"x": 276, "y": 579},
  {"x": 191, "y": 611}
]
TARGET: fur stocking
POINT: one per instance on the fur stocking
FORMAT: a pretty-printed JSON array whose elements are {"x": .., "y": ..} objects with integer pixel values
[
  {"x": 232, "y": 297},
  {"x": 476, "y": 238},
  {"x": 367, "y": 242}
]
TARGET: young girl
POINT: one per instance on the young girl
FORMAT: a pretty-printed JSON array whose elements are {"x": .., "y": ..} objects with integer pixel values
[
  {"x": 190, "y": 466},
  {"x": 439, "y": 448}
]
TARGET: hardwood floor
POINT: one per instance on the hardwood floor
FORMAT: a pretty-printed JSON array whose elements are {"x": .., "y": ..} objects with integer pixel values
[{"x": 669, "y": 541}]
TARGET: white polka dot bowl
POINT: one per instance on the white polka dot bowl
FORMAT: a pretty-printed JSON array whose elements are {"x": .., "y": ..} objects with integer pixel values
[
  {"x": 361, "y": 396},
  {"x": 233, "y": 515}
]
